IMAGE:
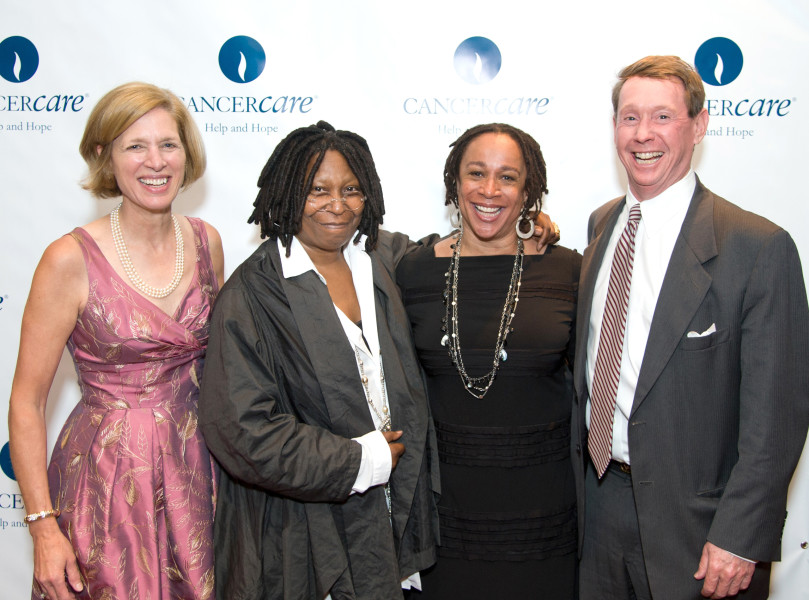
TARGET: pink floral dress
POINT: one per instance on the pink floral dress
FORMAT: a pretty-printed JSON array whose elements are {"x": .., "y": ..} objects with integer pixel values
[{"x": 130, "y": 471}]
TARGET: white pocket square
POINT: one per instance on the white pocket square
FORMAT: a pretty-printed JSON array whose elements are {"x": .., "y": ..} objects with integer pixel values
[{"x": 709, "y": 331}]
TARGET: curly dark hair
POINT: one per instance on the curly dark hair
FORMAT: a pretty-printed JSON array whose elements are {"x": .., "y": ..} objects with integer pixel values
[
  {"x": 536, "y": 180},
  {"x": 286, "y": 179}
]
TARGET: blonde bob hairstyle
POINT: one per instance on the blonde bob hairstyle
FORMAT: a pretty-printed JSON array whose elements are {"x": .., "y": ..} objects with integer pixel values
[{"x": 114, "y": 114}]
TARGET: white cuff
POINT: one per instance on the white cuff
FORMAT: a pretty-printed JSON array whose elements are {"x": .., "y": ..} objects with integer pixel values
[{"x": 375, "y": 464}]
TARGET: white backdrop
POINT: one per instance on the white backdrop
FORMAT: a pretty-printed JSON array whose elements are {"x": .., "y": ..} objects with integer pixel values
[{"x": 387, "y": 71}]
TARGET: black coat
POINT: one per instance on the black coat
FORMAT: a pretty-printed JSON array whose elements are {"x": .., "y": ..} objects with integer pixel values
[{"x": 280, "y": 400}]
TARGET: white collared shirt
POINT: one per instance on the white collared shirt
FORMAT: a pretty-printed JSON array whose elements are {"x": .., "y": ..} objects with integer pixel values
[{"x": 661, "y": 220}]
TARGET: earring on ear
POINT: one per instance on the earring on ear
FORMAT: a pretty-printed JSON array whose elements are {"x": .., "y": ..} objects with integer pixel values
[
  {"x": 455, "y": 219},
  {"x": 525, "y": 228}
]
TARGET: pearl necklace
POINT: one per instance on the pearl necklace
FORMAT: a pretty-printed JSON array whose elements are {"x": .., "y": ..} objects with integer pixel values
[
  {"x": 478, "y": 386},
  {"x": 134, "y": 278}
]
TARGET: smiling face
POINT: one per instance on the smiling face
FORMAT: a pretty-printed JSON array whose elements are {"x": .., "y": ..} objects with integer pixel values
[
  {"x": 148, "y": 161},
  {"x": 654, "y": 135},
  {"x": 331, "y": 228},
  {"x": 490, "y": 184}
]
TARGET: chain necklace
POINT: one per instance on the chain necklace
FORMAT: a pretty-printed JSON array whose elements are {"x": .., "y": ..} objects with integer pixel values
[
  {"x": 384, "y": 414},
  {"x": 478, "y": 386},
  {"x": 134, "y": 278}
]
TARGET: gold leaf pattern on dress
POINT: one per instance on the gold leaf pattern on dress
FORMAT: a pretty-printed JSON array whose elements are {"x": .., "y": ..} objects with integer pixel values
[
  {"x": 66, "y": 433},
  {"x": 143, "y": 557},
  {"x": 131, "y": 491},
  {"x": 75, "y": 460},
  {"x": 173, "y": 573},
  {"x": 206, "y": 584},
  {"x": 143, "y": 444},
  {"x": 194, "y": 377},
  {"x": 113, "y": 353},
  {"x": 107, "y": 594},
  {"x": 188, "y": 426},
  {"x": 111, "y": 434},
  {"x": 140, "y": 325},
  {"x": 121, "y": 564}
]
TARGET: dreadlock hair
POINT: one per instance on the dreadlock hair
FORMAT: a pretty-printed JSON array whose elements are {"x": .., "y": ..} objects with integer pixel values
[
  {"x": 286, "y": 180},
  {"x": 536, "y": 181}
]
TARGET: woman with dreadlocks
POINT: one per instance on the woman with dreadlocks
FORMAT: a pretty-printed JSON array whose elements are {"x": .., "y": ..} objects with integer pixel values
[
  {"x": 312, "y": 392},
  {"x": 493, "y": 321}
]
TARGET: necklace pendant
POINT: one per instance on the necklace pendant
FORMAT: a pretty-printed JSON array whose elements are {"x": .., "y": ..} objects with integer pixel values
[
  {"x": 503, "y": 355},
  {"x": 445, "y": 340}
]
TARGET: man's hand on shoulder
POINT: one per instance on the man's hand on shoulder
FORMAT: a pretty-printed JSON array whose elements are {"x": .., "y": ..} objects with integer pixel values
[{"x": 725, "y": 574}]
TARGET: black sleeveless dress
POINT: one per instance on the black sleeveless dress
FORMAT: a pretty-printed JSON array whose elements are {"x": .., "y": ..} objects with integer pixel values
[{"x": 507, "y": 509}]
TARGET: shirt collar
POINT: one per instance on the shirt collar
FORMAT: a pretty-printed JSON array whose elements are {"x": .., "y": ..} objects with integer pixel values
[
  {"x": 668, "y": 207},
  {"x": 298, "y": 261}
]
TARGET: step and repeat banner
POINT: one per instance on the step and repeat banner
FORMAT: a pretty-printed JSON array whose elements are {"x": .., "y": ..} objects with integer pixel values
[{"x": 410, "y": 77}]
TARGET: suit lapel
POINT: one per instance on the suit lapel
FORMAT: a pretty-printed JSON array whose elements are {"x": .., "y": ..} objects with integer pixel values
[
  {"x": 684, "y": 287},
  {"x": 591, "y": 263}
]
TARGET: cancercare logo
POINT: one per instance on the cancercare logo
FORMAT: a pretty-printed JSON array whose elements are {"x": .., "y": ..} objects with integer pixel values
[
  {"x": 19, "y": 59},
  {"x": 242, "y": 59},
  {"x": 477, "y": 60},
  {"x": 719, "y": 61},
  {"x": 5, "y": 462}
]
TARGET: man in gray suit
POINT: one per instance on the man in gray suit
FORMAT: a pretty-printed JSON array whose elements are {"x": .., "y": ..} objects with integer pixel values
[{"x": 692, "y": 366}]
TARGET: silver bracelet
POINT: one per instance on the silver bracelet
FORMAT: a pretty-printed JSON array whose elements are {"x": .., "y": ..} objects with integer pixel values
[{"x": 54, "y": 512}]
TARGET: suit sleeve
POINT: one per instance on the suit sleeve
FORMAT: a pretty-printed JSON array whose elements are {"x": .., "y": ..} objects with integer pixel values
[
  {"x": 774, "y": 404},
  {"x": 245, "y": 426}
]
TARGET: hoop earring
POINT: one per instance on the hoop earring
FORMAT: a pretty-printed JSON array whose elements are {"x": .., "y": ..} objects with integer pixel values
[
  {"x": 525, "y": 228},
  {"x": 455, "y": 219}
]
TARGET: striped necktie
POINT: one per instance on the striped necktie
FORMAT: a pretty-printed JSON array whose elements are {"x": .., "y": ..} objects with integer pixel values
[{"x": 610, "y": 346}]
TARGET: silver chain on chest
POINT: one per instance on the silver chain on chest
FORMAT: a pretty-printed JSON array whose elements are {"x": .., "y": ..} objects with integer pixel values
[{"x": 450, "y": 326}]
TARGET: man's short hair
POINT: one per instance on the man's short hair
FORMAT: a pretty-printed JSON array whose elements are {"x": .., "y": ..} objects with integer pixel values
[{"x": 665, "y": 67}]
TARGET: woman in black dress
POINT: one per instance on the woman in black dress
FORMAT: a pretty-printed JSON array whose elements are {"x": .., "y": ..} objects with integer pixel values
[{"x": 494, "y": 326}]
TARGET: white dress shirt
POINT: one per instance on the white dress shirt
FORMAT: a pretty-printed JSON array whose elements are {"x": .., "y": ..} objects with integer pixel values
[{"x": 661, "y": 220}]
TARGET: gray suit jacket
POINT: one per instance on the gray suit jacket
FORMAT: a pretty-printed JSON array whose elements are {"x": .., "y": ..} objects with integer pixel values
[{"x": 718, "y": 422}]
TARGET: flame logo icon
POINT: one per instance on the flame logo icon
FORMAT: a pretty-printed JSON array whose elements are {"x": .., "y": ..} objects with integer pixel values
[
  {"x": 478, "y": 67},
  {"x": 242, "y": 65},
  {"x": 242, "y": 59},
  {"x": 719, "y": 61},
  {"x": 19, "y": 59},
  {"x": 717, "y": 72},
  {"x": 17, "y": 66},
  {"x": 477, "y": 60}
]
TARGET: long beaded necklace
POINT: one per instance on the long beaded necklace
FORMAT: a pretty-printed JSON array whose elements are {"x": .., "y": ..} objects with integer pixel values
[
  {"x": 478, "y": 386},
  {"x": 383, "y": 414},
  {"x": 134, "y": 278}
]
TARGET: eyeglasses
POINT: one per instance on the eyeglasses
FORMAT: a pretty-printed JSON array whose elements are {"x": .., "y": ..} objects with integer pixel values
[{"x": 353, "y": 200}]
